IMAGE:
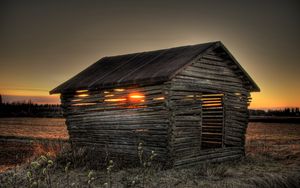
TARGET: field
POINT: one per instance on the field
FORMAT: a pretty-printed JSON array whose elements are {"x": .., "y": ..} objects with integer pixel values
[
  {"x": 21, "y": 139},
  {"x": 48, "y": 128},
  {"x": 279, "y": 140},
  {"x": 272, "y": 149}
]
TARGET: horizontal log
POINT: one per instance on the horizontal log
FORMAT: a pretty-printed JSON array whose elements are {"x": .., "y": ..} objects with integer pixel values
[{"x": 208, "y": 156}]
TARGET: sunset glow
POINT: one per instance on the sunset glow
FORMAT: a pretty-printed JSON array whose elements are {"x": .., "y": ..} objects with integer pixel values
[
  {"x": 119, "y": 90},
  {"x": 83, "y": 104},
  {"x": 111, "y": 95},
  {"x": 136, "y": 97},
  {"x": 82, "y": 95},
  {"x": 38, "y": 51},
  {"x": 82, "y": 91},
  {"x": 24, "y": 92},
  {"x": 158, "y": 98},
  {"x": 149, "y": 93},
  {"x": 263, "y": 101},
  {"x": 115, "y": 100}
]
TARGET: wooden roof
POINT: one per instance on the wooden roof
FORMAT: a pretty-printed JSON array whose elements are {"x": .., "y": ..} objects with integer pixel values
[{"x": 139, "y": 68}]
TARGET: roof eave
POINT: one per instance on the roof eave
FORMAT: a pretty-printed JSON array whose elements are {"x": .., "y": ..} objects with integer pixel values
[{"x": 254, "y": 86}]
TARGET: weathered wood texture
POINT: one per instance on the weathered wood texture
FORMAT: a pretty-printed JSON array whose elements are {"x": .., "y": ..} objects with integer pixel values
[
  {"x": 110, "y": 122},
  {"x": 200, "y": 115},
  {"x": 214, "y": 99},
  {"x": 210, "y": 156}
]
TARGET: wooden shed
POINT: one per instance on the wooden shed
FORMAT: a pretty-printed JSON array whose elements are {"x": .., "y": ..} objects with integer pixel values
[{"x": 188, "y": 104}]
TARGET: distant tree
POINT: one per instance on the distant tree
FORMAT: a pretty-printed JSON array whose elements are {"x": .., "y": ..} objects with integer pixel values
[
  {"x": 297, "y": 113},
  {"x": 29, "y": 109},
  {"x": 0, "y": 99}
]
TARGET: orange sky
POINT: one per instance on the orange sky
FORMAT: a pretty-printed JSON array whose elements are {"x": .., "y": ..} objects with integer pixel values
[{"x": 43, "y": 44}]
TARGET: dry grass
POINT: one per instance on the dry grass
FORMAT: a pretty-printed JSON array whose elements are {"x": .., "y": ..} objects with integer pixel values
[
  {"x": 279, "y": 141},
  {"x": 272, "y": 161},
  {"x": 21, "y": 150},
  {"x": 48, "y": 128},
  {"x": 17, "y": 153},
  {"x": 250, "y": 172}
]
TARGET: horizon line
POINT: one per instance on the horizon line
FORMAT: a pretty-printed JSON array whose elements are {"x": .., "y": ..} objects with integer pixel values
[{"x": 27, "y": 101}]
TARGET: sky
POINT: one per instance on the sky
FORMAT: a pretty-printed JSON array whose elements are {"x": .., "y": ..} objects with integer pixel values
[{"x": 44, "y": 43}]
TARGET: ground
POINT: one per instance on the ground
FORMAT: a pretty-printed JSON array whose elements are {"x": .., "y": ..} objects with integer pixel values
[
  {"x": 252, "y": 171},
  {"x": 272, "y": 160}
]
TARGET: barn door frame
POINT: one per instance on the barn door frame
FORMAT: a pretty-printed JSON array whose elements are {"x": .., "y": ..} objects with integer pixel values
[{"x": 212, "y": 120}]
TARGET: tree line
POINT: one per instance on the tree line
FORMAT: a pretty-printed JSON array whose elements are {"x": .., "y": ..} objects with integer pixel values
[
  {"x": 29, "y": 109},
  {"x": 287, "y": 112}
]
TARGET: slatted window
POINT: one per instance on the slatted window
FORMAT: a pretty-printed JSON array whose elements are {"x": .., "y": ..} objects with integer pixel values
[
  {"x": 118, "y": 98},
  {"x": 212, "y": 121}
]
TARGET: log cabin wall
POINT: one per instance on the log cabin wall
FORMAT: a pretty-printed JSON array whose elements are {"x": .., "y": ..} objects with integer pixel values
[
  {"x": 116, "y": 120},
  {"x": 194, "y": 138},
  {"x": 190, "y": 104}
]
